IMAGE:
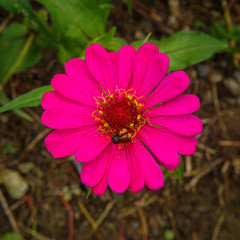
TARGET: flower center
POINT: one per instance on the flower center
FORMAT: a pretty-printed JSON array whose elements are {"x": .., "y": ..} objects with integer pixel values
[{"x": 121, "y": 115}]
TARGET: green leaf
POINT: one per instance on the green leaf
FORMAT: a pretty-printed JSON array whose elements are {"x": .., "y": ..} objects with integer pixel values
[
  {"x": 103, "y": 40},
  {"x": 179, "y": 170},
  {"x": 138, "y": 44},
  {"x": 187, "y": 48},
  {"x": 12, "y": 32},
  {"x": 16, "y": 54},
  {"x": 219, "y": 31},
  {"x": 24, "y": 8},
  {"x": 4, "y": 100},
  {"x": 11, "y": 236},
  {"x": 115, "y": 44},
  {"x": 11, "y": 6},
  {"x": 30, "y": 99},
  {"x": 76, "y": 22}
]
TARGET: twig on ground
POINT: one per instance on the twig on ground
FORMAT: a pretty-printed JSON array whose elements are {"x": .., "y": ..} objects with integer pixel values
[
  {"x": 70, "y": 213},
  {"x": 206, "y": 148},
  {"x": 102, "y": 217},
  {"x": 143, "y": 220},
  {"x": 129, "y": 211},
  {"x": 6, "y": 22},
  {"x": 105, "y": 212},
  {"x": 37, "y": 139},
  {"x": 217, "y": 107},
  {"x": 202, "y": 173},
  {"x": 152, "y": 16},
  {"x": 33, "y": 233},
  {"x": 70, "y": 217},
  {"x": 218, "y": 226},
  {"x": 88, "y": 215},
  {"x": 229, "y": 143},
  {"x": 8, "y": 212}
]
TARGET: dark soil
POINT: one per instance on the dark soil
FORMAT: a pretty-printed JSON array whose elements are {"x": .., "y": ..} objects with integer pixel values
[{"x": 204, "y": 207}]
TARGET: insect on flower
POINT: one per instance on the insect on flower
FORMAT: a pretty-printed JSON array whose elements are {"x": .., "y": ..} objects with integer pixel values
[
  {"x": 115, "y": 111},
  {"x": 121, "y": 138}
]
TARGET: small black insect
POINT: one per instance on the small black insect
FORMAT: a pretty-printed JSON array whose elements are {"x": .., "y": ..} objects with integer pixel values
[{"x": 121, "y": 138}]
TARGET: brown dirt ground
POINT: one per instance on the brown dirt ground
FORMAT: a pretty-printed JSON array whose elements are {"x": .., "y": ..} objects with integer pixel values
[{"x": 205, "y": 206}]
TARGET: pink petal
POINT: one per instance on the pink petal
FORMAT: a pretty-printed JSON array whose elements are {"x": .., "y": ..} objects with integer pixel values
[
  {"x": 157, "y": 69},
  {"x": 165, "y": 154},
  {"x": 64, "y": 118},
  {"x": 91, "y": 146},
  {"x": 181, "y": 144},
  {"x": 119, "y": 175},
  {"x": 114, "y": 60},
  {"x": 53, "y": 99},
  {"x": 170, "y": 87},
  {"x": 143, "y": 57},
  {"x": 62, "y": 143},
  {"x": 135, "y": 168},
  {"x": 186, "y": 125},
  {"x": 101, "y": 187},
  {"x": 100, "y": 66},
  {"x": 92, "y": 172},
  {"x": 126, "y": 57},
  {"x": 77, "y": 68},
  {"x": 181, "y": 105},
  {"x": 153, "y": 176},
  {"x": 72, "y": 88}
]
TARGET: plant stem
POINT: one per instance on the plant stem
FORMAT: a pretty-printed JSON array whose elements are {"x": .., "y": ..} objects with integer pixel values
[{"x": 20, "y": 58}]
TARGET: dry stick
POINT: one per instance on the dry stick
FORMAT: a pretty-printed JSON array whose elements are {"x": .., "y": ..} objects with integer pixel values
[
  {"x": 102, "y": 217},
  {"x": 152, "y": 16},
  {"x": 227, "y": 15},
  {"x": 38, "y": 138},
  {"x": 218, "y": 226},
  {"x": 105, "y": 212},
  {"x": 34, "y": 233},
  {"x": 88, "y": 216},
  {"x": 143, "y": 220},
  {"x": 5, "y": 22},
  {"x": 229, "y": 143},
  {"x": 70, "y": 213},
  {"x": 70, "y": 217},
  {"x": 217, "y": 107},
  {"x": 204, "y": 172},
  {"x": 130, "y": 211},
  {"x": 8, "y": 212}
]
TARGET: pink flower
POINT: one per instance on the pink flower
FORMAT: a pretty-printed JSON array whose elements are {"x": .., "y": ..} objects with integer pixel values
[{"x": 104, "y": 111}]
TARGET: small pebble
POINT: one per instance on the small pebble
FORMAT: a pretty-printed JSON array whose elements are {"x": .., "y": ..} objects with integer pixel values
[
  {"x": 232, "y": 85},
  {"x": 203, "y": 70}
]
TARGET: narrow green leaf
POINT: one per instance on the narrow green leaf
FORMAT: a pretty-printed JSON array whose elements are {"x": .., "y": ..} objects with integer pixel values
[
  {"x": 88, "y": 193},
  {"x": 179, "y": 170},
  {"x": 4, "y": 100},
  {"x": 129, "y": 4},
  {"x": 138, "y": 44},
  {"x": 30, "y": 99}
]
